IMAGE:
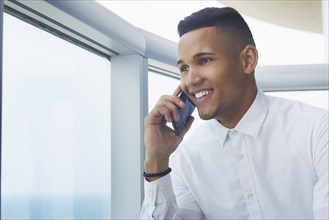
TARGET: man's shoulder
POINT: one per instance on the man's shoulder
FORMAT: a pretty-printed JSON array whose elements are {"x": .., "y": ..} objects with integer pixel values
[{"x": 294, "y": 108}]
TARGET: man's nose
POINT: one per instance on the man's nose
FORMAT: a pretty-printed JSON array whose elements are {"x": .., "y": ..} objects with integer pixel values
[{"x": 193, "y": 77}]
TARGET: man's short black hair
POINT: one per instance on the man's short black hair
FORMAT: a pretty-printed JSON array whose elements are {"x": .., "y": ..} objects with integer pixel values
[{"x": 227, "y": 20}]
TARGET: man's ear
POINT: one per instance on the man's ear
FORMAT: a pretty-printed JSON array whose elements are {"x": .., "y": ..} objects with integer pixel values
[{"x": 249, "y": 59}]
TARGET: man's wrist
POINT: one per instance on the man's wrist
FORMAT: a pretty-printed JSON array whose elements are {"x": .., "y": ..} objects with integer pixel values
[
  {"x": 158, "y": 174},
  {"x": 154, "y": 167},
  {"x": 154, "y": 176}
]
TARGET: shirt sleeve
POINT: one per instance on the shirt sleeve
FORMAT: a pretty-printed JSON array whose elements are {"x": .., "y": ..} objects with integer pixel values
[
  {"x": 321, "y": 158},
  {"x": 160, "y": 202}
]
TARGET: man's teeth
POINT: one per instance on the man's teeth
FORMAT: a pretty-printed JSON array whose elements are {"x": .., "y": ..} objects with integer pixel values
[{"x": 201, "y": 94}]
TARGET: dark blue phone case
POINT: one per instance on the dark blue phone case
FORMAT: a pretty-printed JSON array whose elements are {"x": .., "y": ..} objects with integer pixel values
[{"x": 184, "y": 113}]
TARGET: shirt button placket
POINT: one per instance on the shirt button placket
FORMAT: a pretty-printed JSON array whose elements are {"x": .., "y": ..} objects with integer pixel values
[
  {"x": 240, "y": 156},
  {"x": 250, "y": 196},
  {"x": 245, "y": 175}
]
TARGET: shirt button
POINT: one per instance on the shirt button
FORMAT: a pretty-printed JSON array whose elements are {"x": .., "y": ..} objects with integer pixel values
[
  {"x": 240, "y": 156},
  {"x": 151, "y": 193},
  {"x": 250, "y": 196},
  {"x": 233, "y": 132}
]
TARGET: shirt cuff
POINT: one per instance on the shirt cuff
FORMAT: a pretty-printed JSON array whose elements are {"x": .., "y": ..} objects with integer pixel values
[{"x": 158, "y": 191}]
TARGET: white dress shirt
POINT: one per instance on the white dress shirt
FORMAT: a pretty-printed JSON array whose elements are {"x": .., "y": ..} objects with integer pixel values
[{"x": 272, "y": 165}]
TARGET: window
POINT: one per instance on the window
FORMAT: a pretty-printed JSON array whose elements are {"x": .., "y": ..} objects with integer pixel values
[{"x": 56, "y": 127}]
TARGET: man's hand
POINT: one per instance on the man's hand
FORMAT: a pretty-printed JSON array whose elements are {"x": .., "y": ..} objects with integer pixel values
[{"x": 161, "y": 140}]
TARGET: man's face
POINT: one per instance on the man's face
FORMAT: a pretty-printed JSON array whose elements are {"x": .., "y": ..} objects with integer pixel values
[{"x": 210, "y": 75}]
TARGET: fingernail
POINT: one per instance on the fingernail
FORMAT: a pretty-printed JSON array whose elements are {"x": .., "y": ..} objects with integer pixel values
[{"x": 177, "y": 117}]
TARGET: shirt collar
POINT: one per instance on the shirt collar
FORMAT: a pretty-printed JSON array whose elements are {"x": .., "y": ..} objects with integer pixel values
[
  {"x": 222, "y": 131},
  {"x": 252, "y": 120}
]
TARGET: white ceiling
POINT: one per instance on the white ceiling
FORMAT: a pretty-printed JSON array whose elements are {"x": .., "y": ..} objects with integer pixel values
[{"x": 304, "y": 15}]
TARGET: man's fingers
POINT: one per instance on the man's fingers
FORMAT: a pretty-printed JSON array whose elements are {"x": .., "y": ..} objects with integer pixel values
[
  {"x": 168, "y": 107},
  {"x": 170, "y": 111}
]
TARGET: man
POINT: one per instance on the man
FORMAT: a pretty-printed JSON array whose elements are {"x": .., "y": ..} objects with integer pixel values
[{"x": 254, "y": 156}]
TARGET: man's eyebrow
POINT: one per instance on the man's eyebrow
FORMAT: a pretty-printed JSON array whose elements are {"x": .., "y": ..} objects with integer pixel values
[
  {"x": 202, "y": 54},
  {"x": 197, "y": 56},
  {"x": 179, "y": 62}
]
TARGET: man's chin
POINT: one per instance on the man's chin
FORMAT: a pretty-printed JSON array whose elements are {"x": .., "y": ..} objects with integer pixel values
[{"x": 205, "y": 116}]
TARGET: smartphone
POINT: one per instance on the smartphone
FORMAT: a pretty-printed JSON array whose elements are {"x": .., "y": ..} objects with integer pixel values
[{"x": 184, "y": 113}]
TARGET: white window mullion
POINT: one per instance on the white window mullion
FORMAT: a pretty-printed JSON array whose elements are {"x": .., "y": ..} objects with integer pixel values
[{"x": 128, "y": 109}]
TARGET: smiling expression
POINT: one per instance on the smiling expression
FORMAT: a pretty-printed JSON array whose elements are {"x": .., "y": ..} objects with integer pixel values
[{"x": 213, "y": 76}]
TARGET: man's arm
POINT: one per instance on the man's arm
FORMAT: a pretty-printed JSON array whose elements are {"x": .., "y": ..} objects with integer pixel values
[{"x": 160, "y": 142}]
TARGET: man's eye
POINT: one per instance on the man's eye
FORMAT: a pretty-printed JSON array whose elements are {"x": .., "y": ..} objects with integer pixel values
[
  {"x": 204, "y": 60},
  {"x": 184, "y": 69}
]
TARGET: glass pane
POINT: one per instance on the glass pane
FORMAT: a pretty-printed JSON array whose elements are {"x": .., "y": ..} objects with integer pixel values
[
  {"x": 160, "y": 85},
  {"x": 56, "y": 128}
]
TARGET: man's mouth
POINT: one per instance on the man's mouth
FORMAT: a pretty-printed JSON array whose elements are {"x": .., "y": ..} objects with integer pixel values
[{"x": 201, "y": 94}]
